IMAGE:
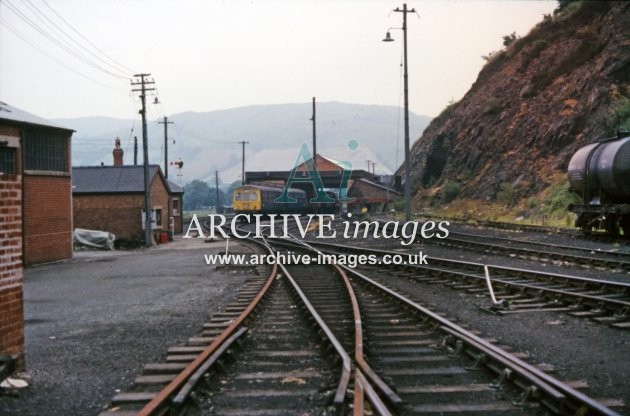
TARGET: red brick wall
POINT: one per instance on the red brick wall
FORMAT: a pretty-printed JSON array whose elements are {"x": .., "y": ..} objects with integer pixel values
[
  {"x": 11, "y": 276},
  {"x": 119, "y": 214},
  {"x": 47, "y": 218},
  {"x": 160, "y": 198}
]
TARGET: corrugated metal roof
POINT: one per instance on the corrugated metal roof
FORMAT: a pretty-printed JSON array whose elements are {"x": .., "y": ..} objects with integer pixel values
[
  {"x": 15, "y": 115},
  {"x": 110, "y": 179}
]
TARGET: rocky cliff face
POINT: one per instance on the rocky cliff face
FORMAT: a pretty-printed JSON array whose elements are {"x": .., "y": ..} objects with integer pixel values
[{"x": 534, "y": 103}]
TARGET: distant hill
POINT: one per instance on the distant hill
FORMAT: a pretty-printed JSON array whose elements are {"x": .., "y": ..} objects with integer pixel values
[{"x": 207, "y": 141}]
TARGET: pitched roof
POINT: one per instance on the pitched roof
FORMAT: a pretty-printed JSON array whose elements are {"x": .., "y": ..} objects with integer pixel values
[
  {"x": 15, "y": 115},
  {"x": 110, "y": 179},
  {"x": 175, "y": 188}
]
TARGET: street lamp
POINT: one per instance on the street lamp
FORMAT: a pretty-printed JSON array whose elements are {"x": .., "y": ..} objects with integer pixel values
[{"x": 388, "y": 38}]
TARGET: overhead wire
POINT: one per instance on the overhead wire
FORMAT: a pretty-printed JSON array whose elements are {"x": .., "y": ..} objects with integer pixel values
[
  {"x": 125, "y": 69},
  {"x": 54, "y": 27},
  {"x": 62, "y": 45},
  {"x": 196, "y": 135},
  {"x": 43, "y": 52}
]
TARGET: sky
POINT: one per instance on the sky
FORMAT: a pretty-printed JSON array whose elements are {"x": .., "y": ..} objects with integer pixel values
[{"x": 75, "y": 58}]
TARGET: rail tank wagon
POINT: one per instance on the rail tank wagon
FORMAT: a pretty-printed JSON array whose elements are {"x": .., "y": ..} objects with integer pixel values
[{"x": 600, "y": 174}]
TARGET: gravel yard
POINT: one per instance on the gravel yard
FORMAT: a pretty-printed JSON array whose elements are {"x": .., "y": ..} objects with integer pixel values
[
  {"x": 577, "y": 348},
  {"x": 93, "y": 322}
]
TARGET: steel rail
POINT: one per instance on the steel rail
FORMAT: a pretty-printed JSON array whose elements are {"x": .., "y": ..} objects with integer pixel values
[
  {"x": 552, "y": 387},
  {"x": 538, "y": 243},
  {"x": 612, "y": 286},
  {"x": 346, "y": 367},
  {"x": 524, "y": 251},
  {"x": 363, "y": 388},
  {"x": 359, "y": 356},
  {"x": 183, "y": 393},
  {"x": 163, "y": 396}
]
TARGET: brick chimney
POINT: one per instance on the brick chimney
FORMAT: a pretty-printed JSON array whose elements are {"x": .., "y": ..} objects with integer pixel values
[{"x": 118, "y": 153}]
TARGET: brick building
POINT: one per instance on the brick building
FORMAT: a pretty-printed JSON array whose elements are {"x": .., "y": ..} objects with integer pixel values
[
  {"x": 44, "y": 164},
  {"x": 35, "y": 210},
  {"x": 11, "y": 298},
  {"x": 367, "y": 194},
  {"x": 111, "y": 198}
]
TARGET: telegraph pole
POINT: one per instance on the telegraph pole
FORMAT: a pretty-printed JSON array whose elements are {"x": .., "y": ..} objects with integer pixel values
[
  {"x": 243, "y": 142},
  {"x": 143, "y": 83},
  {"x": 216, "y": 176},
  {"x": 166, "y": 123},
  {"x": 314, "y": 136},
  {"x": 404, "y": 11},
  {"x": 135, "y": 151},
  {"x": 368, "y": 163},
  {"x": 388, "y": 38}
]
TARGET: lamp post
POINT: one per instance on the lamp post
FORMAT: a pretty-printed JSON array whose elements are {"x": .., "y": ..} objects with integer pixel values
[{"x": 388, "y": 38}]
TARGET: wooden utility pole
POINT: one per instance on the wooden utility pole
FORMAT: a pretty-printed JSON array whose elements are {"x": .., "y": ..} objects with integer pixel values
[
  {"x": 314, "y": 136},
  {"x": 166, "y": 123},
  {"x": 407, "y": 169},
  {"x": 135, "y": 150},
  {"x": 143, "y": 82},
  {"x": 216, "y": 177},
  {"x": 243, "y": 142}
]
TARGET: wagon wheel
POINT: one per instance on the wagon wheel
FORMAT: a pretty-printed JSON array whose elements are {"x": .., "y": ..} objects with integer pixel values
[{"x": 612, "y": 225}]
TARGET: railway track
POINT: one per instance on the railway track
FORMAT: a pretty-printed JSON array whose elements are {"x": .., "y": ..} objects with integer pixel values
[
  {"x": 524, "y": 291},
  {"x": 281, "y": 367},
  {"x": 321, "y": 340},
  {"x": 426, "y": 359},
  {"x": 546, "y": 229},
  {"x": 539, "y": 251}
]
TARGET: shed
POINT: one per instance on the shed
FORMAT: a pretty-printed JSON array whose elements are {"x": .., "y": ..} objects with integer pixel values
[{"x": 111, "y": 198}]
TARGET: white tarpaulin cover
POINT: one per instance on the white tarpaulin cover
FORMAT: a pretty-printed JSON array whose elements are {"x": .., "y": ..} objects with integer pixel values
[{"x": 93, "y": 239}]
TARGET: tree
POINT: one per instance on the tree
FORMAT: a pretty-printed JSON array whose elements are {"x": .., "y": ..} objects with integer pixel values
[{"x": 196, "y": 195}]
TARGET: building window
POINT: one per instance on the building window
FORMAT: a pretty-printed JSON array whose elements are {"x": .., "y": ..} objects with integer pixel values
[
  {"x": 7, "y": 160},
  {"x": 158, "y": 217},
  {"x": 175, "y": 206},
  {"x": 45, "y": 151}
]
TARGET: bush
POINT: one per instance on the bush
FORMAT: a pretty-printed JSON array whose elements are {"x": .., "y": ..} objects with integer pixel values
[
  {"x": 505, "y": 194},
  {"x": 560, "y": 198},
  {"x": 449, "y": 192},
  {"x": 509, "y": 39},
  {"x": 619, "y": 118}
]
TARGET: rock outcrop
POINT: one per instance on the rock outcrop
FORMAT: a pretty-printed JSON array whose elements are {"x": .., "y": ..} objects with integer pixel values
[{"x": 533, "y": 104}]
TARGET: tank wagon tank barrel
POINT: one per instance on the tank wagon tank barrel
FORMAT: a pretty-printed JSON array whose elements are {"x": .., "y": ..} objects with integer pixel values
[{"x": 600, "y": 174}]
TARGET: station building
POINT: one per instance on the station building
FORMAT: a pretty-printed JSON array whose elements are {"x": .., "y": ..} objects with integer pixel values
[{"x": 367, "y": 193}]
